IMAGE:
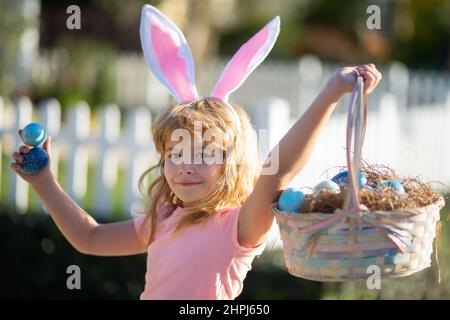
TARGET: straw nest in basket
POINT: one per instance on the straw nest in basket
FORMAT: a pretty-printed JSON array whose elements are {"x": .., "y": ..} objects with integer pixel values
[{"x": 418, "y": 193}]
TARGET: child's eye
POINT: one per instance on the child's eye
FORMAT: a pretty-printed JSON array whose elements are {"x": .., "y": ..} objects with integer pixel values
[
  {"x": 174, "y": 155},
  {"x": 204, "y": 155},
  {"x": 200, "y": 155}
]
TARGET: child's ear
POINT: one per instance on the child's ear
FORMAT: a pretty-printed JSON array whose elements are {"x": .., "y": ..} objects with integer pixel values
[
  {"x": 246, "y": 59},
  {"x": 168, "y": 54}
]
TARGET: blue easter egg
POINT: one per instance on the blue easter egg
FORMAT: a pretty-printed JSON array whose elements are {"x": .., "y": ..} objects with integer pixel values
[
  {"x": 342, "y": 179},
  {"x": 395, "y": 185},
  {"x": 367, "y": 187},
  {"x": 328, "y": 185},
  {"x": 291, "y": 199},
  {"x": 34, "y": 134},
  {"x": 34, "y": 161}
]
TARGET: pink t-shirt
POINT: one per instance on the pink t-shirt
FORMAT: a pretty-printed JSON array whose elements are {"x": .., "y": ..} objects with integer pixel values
[{"x": 199, "y": 262}]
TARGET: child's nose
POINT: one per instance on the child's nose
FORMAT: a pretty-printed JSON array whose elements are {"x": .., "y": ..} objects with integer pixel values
[{"x": 186, "y": 169}]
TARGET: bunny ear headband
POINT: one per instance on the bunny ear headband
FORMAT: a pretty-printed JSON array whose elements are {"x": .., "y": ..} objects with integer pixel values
[{"x": 170, "y": 59}]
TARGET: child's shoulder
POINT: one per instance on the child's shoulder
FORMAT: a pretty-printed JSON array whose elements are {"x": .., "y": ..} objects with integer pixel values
[
  {"x": 228, "y": 223},
  {"x": 227, "y": 215},
  {"x": 229, "y": 210}
]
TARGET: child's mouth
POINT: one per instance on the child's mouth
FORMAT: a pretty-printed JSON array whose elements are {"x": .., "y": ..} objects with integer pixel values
[{"x": 186, "y": 184}]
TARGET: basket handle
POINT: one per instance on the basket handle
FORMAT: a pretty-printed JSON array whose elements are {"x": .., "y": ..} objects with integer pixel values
[{"x": 356, "y": 129}]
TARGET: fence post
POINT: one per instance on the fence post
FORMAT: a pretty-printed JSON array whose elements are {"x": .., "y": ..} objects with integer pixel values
[
  {"x": 389, "y": 131},
  {"x": 445, "y": 158},
  {"x": 138, "y": 136},
  {"x": 399, "y": 83},
  {"x": 273, "y": 114},
  {"x": 108, "y": 162},
  {"x": 18, "y": 187},
  {"x": 310, "y": 79},
  {"x": 78, "y": 128}
]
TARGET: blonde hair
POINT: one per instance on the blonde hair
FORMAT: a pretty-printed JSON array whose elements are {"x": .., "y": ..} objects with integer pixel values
[{"x": 240, "y": 169}]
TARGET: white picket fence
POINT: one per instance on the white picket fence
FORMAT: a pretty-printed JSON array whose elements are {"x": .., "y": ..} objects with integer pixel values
[
  {"x": 81, "y": 140},
  {"x": 298, "y": 81},
  {"x": 414, "y": 141}
]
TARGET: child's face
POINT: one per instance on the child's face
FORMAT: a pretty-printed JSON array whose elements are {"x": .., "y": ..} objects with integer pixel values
[{"x": 189, "y": 180}]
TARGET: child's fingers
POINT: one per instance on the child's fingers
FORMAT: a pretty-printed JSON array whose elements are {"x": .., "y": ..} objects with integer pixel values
[
  {"x": 370, "y": 81},
  {"x": 24, "y": 149},
  {"x": 356, "y": 72},
  {"x": 17, "y": 168},
  {"x": 16, "y": 156},
  {"x": 369, "y": 75},
  {"x": 372, "y": 69},
  {"x": 47, "y": 145}
]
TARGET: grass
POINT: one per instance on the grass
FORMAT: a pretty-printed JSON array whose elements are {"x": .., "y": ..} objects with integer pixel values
[{"x": 4, "y": 171}]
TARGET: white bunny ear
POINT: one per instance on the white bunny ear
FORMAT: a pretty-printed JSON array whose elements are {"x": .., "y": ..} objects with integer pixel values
[
  {"x": 246, "y": 59},
  {"x": 168, "y": 54}
]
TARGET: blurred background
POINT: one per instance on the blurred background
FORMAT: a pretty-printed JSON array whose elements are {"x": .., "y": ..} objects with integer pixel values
[{"x": 91, "y": 88}]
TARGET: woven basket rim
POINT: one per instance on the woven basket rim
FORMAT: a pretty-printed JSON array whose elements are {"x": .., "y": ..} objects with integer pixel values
[
  {"x": 438, "y": 204},
  {"x": 384, "y": 276}
]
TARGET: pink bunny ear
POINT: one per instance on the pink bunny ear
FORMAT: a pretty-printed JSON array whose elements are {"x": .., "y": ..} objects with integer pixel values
[
  {"x": 246, "y": 59},
  {"x": 168, "y": 54}
]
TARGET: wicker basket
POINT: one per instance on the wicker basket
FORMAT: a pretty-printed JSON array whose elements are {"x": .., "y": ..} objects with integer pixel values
[
  {"x": 344, "y": 252},
  {"x": 341, "y": 246}
]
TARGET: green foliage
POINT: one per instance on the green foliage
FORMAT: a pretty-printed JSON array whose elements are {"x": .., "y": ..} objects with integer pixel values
[
  {"x": 35, "y": 257},
  {"x": 85, "y": 71},
  {"x": 12, "y": 25},
  {"x": 414, "y": 32}
]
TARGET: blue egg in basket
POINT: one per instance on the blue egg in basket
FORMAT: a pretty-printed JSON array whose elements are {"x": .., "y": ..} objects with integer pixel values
[
  {"x": 394, "y": 185},
  {"x": 291, "y": 199},
  {"x": 326, "y": 185},
  {"x": 34, "y": 134},
  {"x": 34, "y": 161},
  {"x": 342, "y": 179}
]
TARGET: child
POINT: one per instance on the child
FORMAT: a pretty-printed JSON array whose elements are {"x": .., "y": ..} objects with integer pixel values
[{"x": 209, "y": 204}]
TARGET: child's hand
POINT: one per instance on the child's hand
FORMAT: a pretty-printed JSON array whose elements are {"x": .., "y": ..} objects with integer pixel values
[
  {"x": 343, "y": 81},
  {"x": 33, "y": 179}
]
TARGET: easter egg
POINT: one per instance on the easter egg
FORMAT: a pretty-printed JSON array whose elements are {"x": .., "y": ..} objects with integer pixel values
[
  {"x": 34, "y": 134},
  {"x": 342, "y": 179},
  {"x": 327, "y": 185},
  {"x": 34, "y": 161},
  {"x": 395, "y": 185},
  {"x": 291, "y": 199}
]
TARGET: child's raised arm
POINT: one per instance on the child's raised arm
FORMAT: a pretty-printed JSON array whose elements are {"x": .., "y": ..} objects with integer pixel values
[
  {"x": 295, "y": 148},
  {"x": 79, "y": 228}
]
